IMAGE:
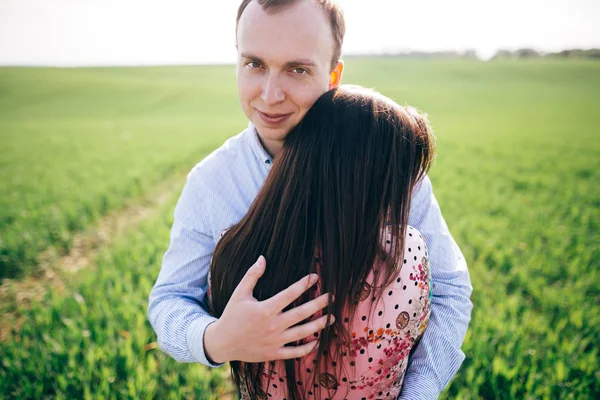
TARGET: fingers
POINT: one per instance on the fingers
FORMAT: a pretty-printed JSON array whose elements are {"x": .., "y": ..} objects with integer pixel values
[
  {"x": 250, "y": 279},
  {"x": 282, "y": 299},
  {"x": 286, "y": 353},
  {"x": 304, "y": 311},
  {"x": 308, "y": 329}
]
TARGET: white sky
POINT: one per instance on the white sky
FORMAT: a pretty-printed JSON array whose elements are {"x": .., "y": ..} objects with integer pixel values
[{"x": 136, "y": 32}]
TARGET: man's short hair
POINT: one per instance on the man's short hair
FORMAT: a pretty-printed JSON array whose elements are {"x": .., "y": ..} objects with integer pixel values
[{"x": 331, "y": 8}]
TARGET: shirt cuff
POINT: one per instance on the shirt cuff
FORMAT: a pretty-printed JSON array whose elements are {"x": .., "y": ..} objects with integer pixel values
[
  {"x": 195, "y": 339},
  {"x": 418, "y": 387}
]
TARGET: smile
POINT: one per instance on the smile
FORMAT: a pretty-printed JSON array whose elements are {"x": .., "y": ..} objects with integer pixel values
[{"x": 273, "y": 119}]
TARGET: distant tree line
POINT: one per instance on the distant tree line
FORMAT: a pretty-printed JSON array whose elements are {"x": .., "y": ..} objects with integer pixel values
[
  {"x": 472, "y": 54},
  {"x": 531, "y": 53},
  {"x": 500, "y": 54}
]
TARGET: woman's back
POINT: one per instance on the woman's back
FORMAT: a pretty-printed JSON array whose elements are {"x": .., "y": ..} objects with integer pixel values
[
  {"x": 340, "y": 186},
  {"x": 382, "y": 336}
]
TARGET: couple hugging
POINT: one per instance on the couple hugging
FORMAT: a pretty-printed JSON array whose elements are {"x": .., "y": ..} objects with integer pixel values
[{"x": 309, "y": 250}]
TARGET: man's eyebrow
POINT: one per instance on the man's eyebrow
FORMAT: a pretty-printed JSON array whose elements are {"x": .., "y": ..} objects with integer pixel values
[
  {"x": 252, "y": 57},
  {"x": 300, "y": 63}
]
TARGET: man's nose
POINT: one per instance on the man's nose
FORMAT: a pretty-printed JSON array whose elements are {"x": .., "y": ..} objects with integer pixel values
[{"x": 272, "y": 92}]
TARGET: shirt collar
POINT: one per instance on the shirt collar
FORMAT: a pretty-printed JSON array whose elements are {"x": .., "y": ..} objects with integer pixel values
[{"x": 257, "y": 147}]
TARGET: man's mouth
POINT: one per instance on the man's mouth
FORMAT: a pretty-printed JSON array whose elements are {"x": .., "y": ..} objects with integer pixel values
[{"x": 273, "y": 119}]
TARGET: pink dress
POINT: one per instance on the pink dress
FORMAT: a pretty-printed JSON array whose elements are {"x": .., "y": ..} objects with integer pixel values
[{"x": 381, "y": 341}]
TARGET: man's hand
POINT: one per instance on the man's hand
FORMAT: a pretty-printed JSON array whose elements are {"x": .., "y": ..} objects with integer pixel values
[{"x": 255, "y": 331}]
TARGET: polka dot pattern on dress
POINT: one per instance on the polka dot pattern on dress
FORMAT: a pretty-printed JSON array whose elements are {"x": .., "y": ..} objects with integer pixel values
[{"x": 381, "y": 336}]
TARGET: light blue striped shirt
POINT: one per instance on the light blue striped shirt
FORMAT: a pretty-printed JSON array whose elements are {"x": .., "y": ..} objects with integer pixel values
[{"x": 218, "y": 193}]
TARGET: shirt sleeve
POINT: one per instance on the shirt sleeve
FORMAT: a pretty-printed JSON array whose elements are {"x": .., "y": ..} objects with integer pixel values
[
  {"x": 438, "y": 355},
  {"x": 176, "y": 310}
]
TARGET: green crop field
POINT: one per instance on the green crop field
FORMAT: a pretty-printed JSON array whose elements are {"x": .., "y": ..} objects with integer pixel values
[
  {"x": 78, "y": 143},
  {"x": 516, "y": 176}
]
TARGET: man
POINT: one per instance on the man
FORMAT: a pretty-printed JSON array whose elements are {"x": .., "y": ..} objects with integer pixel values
[{"x": 288, "y": 55}]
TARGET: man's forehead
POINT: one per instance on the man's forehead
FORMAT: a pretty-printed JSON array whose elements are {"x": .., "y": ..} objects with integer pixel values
[{"x": 301, "y": 32}]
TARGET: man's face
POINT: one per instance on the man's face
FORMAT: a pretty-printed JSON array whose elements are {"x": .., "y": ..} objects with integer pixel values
[{"x": 284, "y": 65}]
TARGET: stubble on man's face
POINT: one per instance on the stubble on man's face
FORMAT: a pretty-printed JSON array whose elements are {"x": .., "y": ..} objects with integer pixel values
[{"x": 284, "y": 65}]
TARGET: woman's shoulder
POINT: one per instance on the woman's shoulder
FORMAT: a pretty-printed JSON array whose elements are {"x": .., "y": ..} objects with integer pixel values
[
  {"x": 414, "y": 258},
  {"x": 414, "y": 237},
  {"x": 415, "y": 247}
]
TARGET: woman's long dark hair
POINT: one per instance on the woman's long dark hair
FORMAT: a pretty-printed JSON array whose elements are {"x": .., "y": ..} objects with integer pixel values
[{"x": 345, "y": 174}]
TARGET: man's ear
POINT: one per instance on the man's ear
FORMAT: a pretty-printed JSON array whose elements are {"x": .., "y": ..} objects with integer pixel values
[{"x": 335, "y": 78}]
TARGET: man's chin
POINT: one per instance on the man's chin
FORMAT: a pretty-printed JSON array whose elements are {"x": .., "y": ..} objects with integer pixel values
[{"x": 272, "y": 134}]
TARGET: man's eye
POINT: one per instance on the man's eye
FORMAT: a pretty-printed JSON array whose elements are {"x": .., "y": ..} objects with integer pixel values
[
  {"x": 300, "y": 71},
  {"x": 253, "y": 64}
]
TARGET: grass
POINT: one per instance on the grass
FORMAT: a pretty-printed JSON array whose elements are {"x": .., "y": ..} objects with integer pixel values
[
  {"x": 92, "y": 340},
  {"x": 79, "y": 143},
  {"x": 516, "y": 177}
]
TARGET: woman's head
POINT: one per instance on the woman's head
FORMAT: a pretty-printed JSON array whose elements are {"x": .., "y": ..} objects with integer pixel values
[
  {"x": 345, "y": 174},
  {"x": 359, "y": 153}
]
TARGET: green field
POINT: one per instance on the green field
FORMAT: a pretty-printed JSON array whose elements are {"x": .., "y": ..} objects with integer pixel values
[
  {"x": 516, "y": 176},
  {"x": 77, "y": 143}
]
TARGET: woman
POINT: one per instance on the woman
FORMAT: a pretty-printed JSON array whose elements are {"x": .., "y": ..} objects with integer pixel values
[{"x": 336, "y": 202}]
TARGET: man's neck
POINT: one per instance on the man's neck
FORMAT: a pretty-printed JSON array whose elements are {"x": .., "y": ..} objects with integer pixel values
[{"x": 272, "y": 147}]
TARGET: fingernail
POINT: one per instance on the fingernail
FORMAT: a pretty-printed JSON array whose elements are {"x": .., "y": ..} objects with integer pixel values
[
  {"x": 312, "y": 278},
  {"x": 261, "y": 261}
]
